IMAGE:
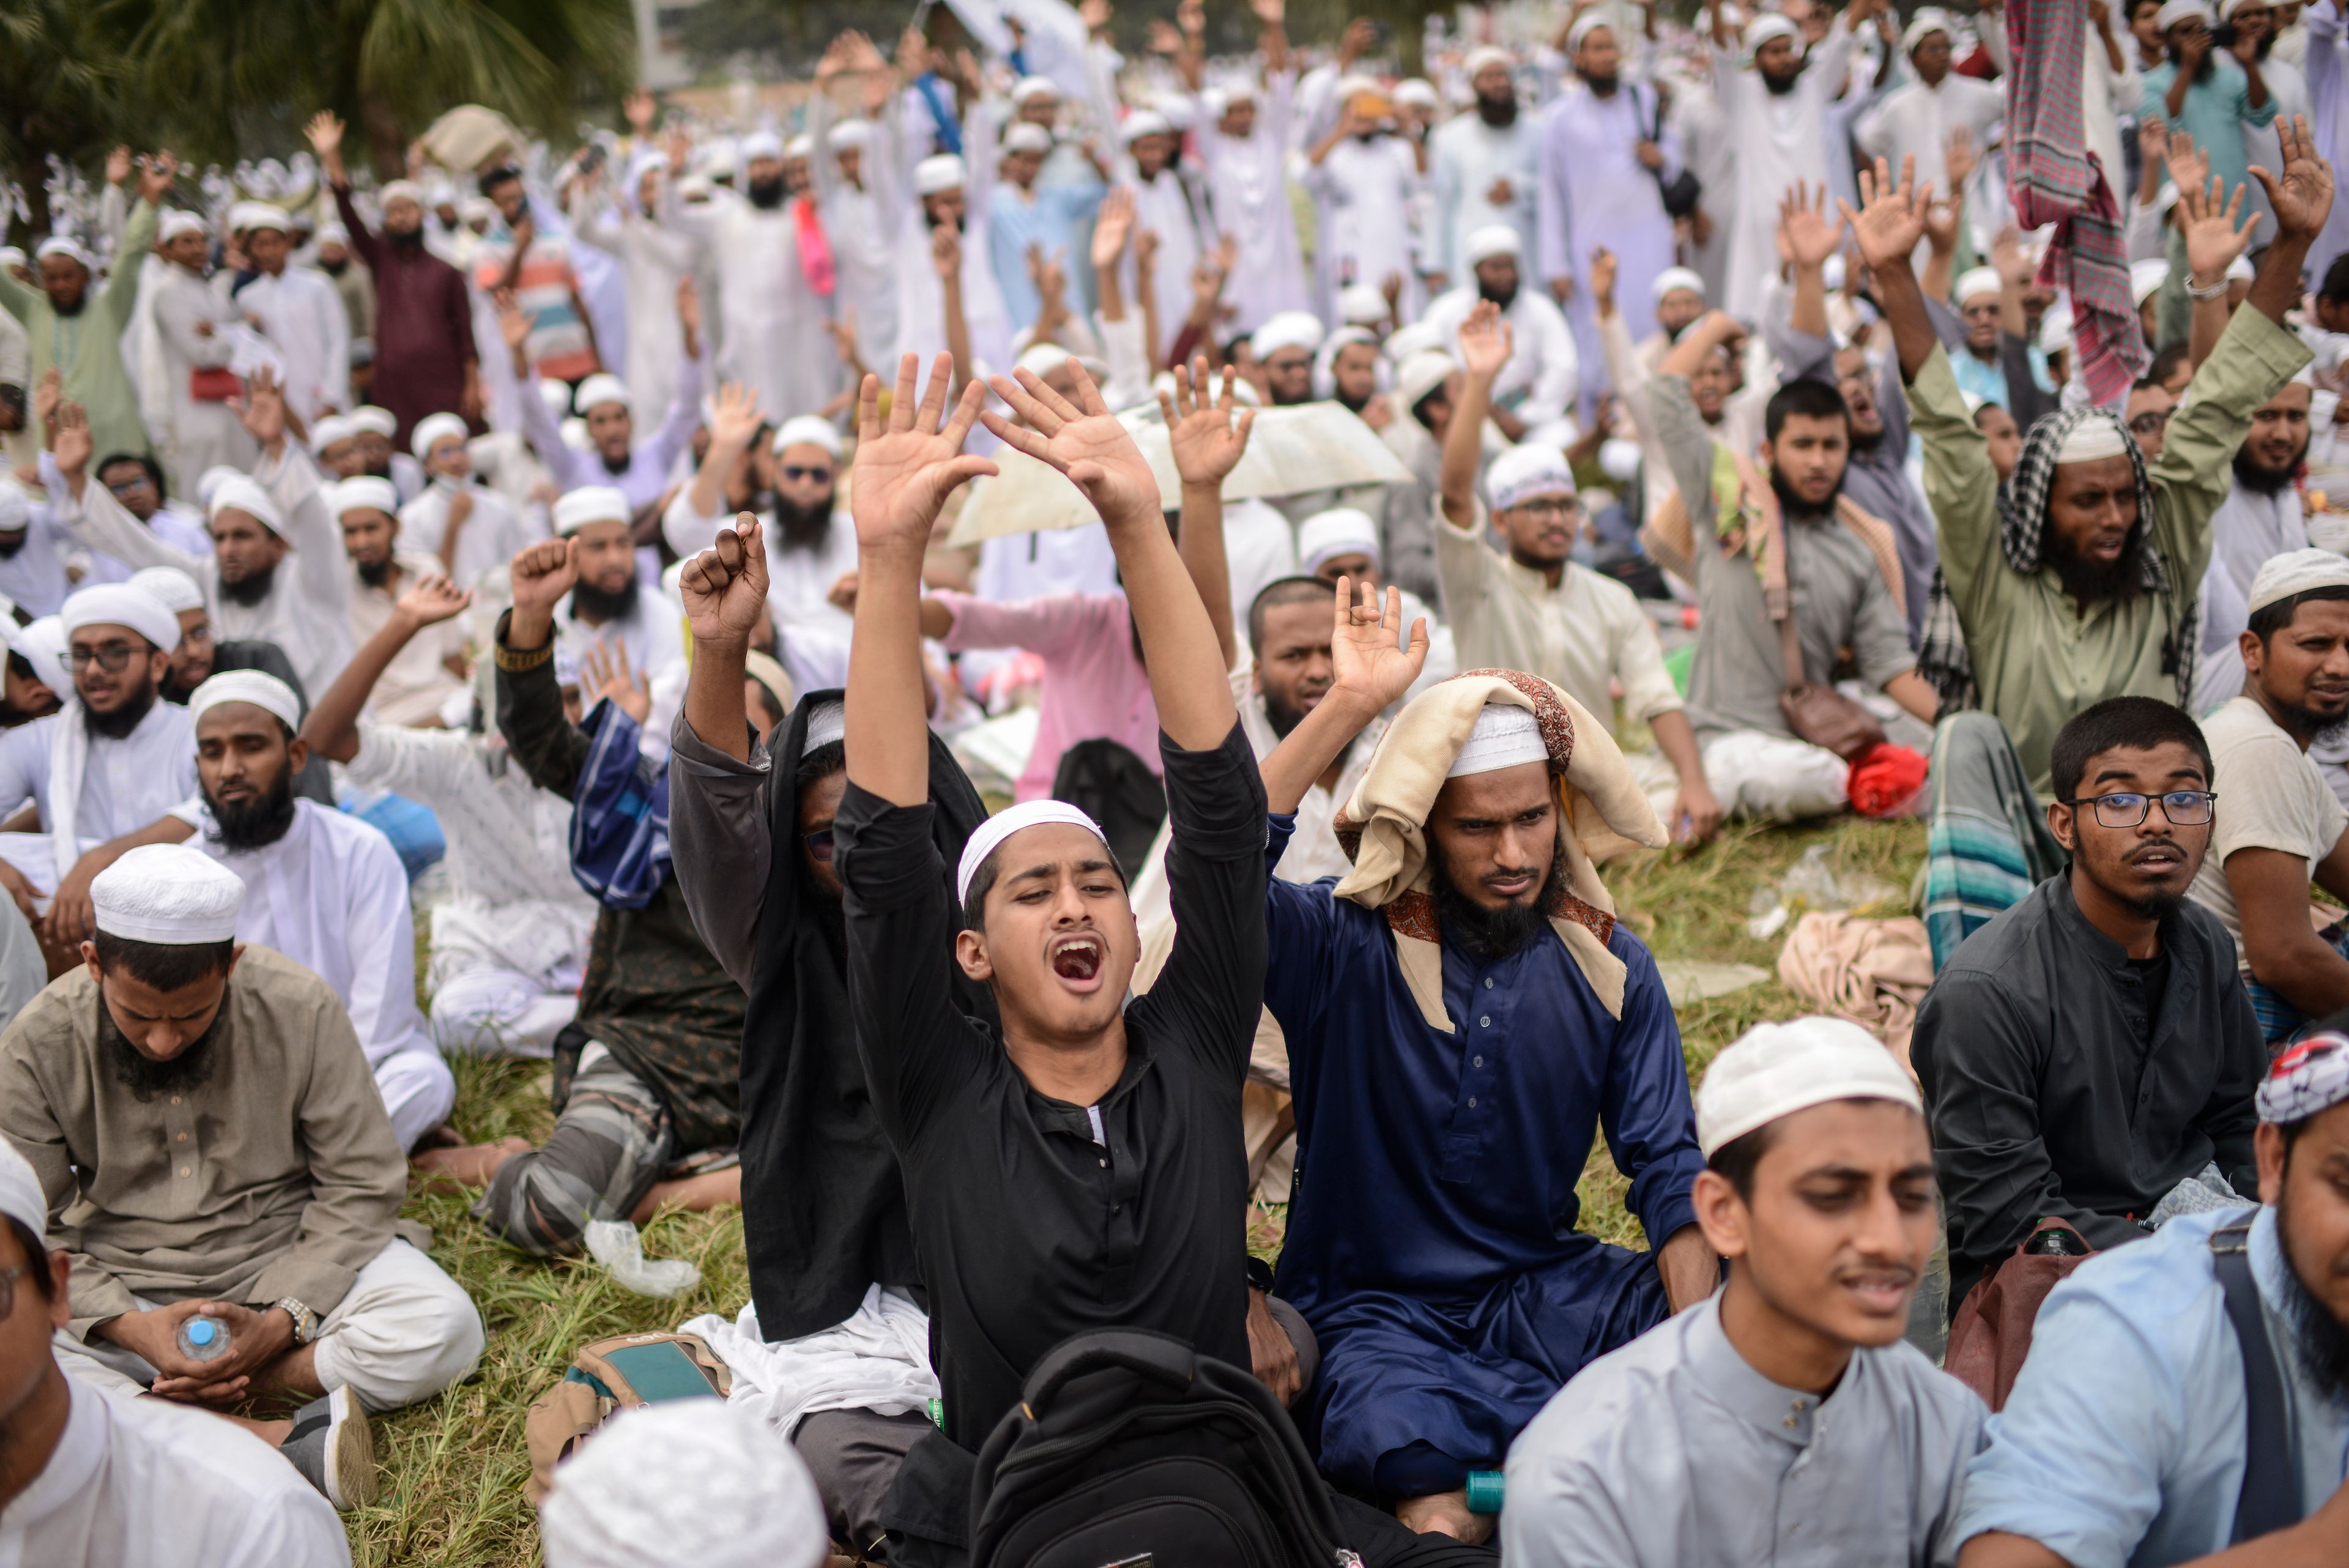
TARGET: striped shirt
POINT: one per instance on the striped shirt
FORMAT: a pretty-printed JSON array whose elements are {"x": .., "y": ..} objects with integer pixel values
[{"x": 547, "y": 291}]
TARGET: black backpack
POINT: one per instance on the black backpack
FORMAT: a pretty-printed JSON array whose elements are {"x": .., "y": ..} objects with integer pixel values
[{"x": 1128, "y": 1447}]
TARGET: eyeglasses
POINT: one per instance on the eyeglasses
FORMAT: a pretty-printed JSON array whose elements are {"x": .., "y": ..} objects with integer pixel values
[
  {"x": 2183, "y": 807},
  {"x": 1547, "y": 506},
  {"x": 794, "y": 473},
  {"x": 112, "y": 659},
  {"x": 819, "y": 845},
  {"x": 125, "y": 486},
  {"x": 2149, "y": 421}
]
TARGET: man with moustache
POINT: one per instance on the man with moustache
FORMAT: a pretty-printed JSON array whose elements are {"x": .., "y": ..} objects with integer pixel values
[
  {"x": 775, "y": 282},
  {"x": 2283, "y": 827},
  {"x": 416, "y": 687},
  {"x": 2091, "y": 1048},
  {"x": 1538, "y": 385},
  {"x": 2260, "y": 519},
  {"x": 607, "y": 607},
  {"x": 1484, "y": 167},
  {"x": 787, "y": 475}
]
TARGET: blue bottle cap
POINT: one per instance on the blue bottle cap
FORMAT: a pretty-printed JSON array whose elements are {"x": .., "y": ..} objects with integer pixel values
[
  {"x": 200, "y": 1331},
  {"x": 1485, "y": 1491}
]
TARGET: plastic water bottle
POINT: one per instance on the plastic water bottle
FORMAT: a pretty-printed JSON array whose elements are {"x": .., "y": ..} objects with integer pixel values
[{"x": 203, "y": 1339}]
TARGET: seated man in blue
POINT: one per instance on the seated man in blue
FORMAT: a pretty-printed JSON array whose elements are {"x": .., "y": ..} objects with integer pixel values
[{"x": 1462, "y": 1011}]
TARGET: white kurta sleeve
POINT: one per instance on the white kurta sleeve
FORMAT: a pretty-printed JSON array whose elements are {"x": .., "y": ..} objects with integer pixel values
[{"x": 380, "y": 929}]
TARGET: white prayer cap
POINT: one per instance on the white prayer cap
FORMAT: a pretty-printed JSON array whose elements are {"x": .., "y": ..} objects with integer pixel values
[
  {"x": 1976, "y": 282},
  {"x": 13, "y": 255},
  {"x": 693, "y": 188},
  {"x": 170, "y": 893},
  {"x": 1042, "y": 360},
  {"x": 1285, "y": 329},
  {"x": 827, "y": 722},
  {"x": 363, "y": 493},
  {"x": 1144, "y": 122},
  {"x": 847, "y": 134},
  {"x": 434, "y": 427},
  {"x": 573, "y": 431},
  {"x": 374, "y": 420},
  {"x": 264, "y": 691},
  {"x": 1831, "y": 274},
  {"x": 800, "y": 146},
  {"x": 1361, "y": 305},
  {"x": 1004, "y": 823},
  {"x": 175, "y": 222},
  {"x": 762, "y": 144},
  {"x": 1027, "y": 136},
  {"x": 1340, "y": 531},
  {"x": 1677, "y": 277},
  {"x": 212, "y": 479},
  {"x": 1492, "y": 240},
  {"x": 1505, "y": 736},
  {"x": 1768, "y": 26},
  {"x": 1619, "y": 459},
  {"x": 1525, "y": 473},
  {"x": 685, "y": 1481},
  {"x": 331, "y": 430},
  {"x": 21, "y": 1198},
  {"x": 1029, "y": 88},
  {"x": 121, "y": 604},
  {"x": 238, "y": 494},
  {"x": 721, "y": 156},
  {"x": 477, "y": 209},
  {"x": 555, "y": 395},
  {"x": 1415, "y": 91},
  {"x": 1928, "y": 20},
  {"x": 2177, "y": 11},
  {"x": 15, "y": 506},
  {"x": 2296, "y": 572},
  {"x": 333, "y": 234},
  {"x": 602, "y": 388},
  {"x": 2146, "y": 278},
  {"x": 402, "y": 190},
  {"x": 171, "y": 587},
  {"x": 265, "y": 215},
  {"x": 66, "y": 245},
  {"x": 2056, "y": 329},
  {"x": 1352, "y": 86},
  {"x": 2239, "y": 269},
  {"x": 939, "y": 171},
  {"x": 241, "y": 214},
  {"x": 1774, "y": 1070},
  {"x": 2094, "y": 438},
  {"x": 1413, "y": 338},
  {"x": 2227, "y": 9},
  {"x": 589, "y": 503},
  {"x": 807, "y": 429},
  {"x": 1420, "y": 374},
  {"x": 43, "y": 645},
  {"x": 443, "y": 194},
  {"x": 1584, "y": 25},
  {"x": 1485, "y": 55}
]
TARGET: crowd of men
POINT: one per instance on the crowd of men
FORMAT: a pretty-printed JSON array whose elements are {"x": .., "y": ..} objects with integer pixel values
[{"x": 1330, "y": 517}]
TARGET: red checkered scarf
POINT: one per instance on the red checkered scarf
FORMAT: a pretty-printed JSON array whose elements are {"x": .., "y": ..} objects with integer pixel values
[{"x": 2053, "y": 178}]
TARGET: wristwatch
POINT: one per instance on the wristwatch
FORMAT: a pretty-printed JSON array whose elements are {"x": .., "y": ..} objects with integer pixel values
[{"x": 305, "y": 1321}]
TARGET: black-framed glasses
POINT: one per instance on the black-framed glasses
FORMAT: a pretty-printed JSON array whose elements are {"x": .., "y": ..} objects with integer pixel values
[
  {"x": 2126, "y": 808},
  {"x": 112, "y": 659},
  {"x": 818, "y": 843},
  {"x": 795, "y": 474}
]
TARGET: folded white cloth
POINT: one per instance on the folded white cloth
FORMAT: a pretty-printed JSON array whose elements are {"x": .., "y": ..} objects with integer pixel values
[{"x": 877, "y": 1359}]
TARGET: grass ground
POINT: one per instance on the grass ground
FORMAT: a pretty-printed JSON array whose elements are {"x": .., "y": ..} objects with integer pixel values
[{"x": 453, "y": 1469}]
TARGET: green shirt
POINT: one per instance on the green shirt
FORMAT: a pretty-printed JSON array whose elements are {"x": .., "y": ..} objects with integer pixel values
[
  {"x": 86, "y": 347},
  {"x": 2037, "y": 657}
]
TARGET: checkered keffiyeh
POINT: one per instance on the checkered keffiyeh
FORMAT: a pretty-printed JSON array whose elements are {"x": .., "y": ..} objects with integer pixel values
[
  {"x": 2054, "y": 179},
  {"x": 2312, "y": 1077}
]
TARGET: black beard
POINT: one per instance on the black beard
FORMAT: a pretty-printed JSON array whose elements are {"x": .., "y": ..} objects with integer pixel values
[
  {"x": 2310, "y": 728},
  {"x": 144, "y": 1075},
  {"x": 2203, "y": 72},
  {"x": 374, "y": 574},
  {"x": 1498, "y": 113},
  {"x": 765, "y": 195},
  {"x": 2088, "y": 583},
  {"x": 260, "y": 823},
  {"x": 1603, "y": 86},
  {"x": 2322, "y": 1339},
  {"x": 11, "y": 542},
  {"x": 1795, "y": 506},
  {"x": 2258, "y": 478},
  {"x": 407, "y": 245},
  {"x": 1279, "y": 714},
  {"x": 616, "y": 466},
  {"x": 1483, "y": 933},
  {"x": 599, "y": 605},
  {"x": 1355, "y": 405},
  {"x": 2156, "y": 907},
  {"x": 334, "y": 269},
  {"x": 115, "y": 725},
  {"x": 73, "y": 310},
  {"x": 1864, "y": 440},
  {"x": 1501, "y": 297},
  {"x": 801, "y": 528},
  {"x": 1780, "y": 86},
  {"x": 251, "y": 589}
]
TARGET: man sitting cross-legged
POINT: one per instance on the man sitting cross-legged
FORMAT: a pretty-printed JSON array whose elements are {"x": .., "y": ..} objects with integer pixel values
[
  {"x": 205, "y": 1127},
  {"x": 1782, "y": 1419},
  {"x": 1463, "y": 1012}
]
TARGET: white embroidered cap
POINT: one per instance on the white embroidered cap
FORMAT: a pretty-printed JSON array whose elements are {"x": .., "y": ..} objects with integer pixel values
[
  {"x": 1004, "y": 823},
  {"x": 1774, "y": 1070},
  {"x": 170, "y": 893}
]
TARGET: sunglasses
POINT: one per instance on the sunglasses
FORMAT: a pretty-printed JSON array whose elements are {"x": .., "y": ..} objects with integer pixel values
[
  {"x": 794, "y": 473},
  {"x": 112, "y": 659},
  {"x": 819, "y": 845}
]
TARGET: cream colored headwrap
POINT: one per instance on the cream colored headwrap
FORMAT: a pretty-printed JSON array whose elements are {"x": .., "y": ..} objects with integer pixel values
[{"x": 1384, "y": 825}]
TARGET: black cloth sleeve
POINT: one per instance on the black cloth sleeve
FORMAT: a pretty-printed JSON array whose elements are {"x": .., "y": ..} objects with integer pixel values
[
  {"x": 551, "y": 749},
  {"x": 1212, "y": 987},
  {"x": 2230, "y": 1116}
]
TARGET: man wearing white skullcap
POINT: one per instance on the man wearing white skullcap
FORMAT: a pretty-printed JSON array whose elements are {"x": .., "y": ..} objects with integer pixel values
[
  {"x": 1975, "y": 358},
  {"x": 33, "y": 570},
  {"x": 614, "y": 456},
  {"x": 113, "y": 761},
  {"x": 2210, "y": 93},
  {"x": 2260, "y": 520},
  {"x": 1171, "y": 202},
  {"x": 290, "y": 1174},
  {"x": 372, "y": 430},
  {"x": 459, "y": 521},
  {"x": 811, "y": 546},
  {"x": 75, "y": 327},
  {"x": 430, "y": 670},
  {"x": 2281, "y": 818},
  {"x": 298, "y": 309},
  {"x": 690, "y": 1481},
  {"x": 1283, "y": 347},
  {"x": 958, "y": 196},
  {"x": 1483, "y": 169},
  {"x": 1243, "y": 148},
  {"x": 1917, "y": 119},
  {"x": 1673, "y": 1451},
  {"x": 1363, "y": 175},
  {"x": 587, "y": 579},
  {"x": 331, "y": 249},
  {"x": 191, "y": 325},
  {"x": 1469, "y": 967},
  {"x": 96, "y": 1482},
  {"x": 861, "y": 193},
  {"x": 1543, "y": 378}
]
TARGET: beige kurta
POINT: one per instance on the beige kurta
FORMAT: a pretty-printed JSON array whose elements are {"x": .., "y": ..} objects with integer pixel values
[{"x": 276, "y": 1176}]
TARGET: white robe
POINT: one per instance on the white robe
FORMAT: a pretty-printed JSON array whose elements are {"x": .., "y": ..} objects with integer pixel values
[
  {"x": 1916, "y": 122},
  {"x": 1465, "y": 158},
  {"x": 863, "y": 222},
  {"x": 491, "y": 537},
  {"x": 655, "y": 637},
  {"x": 2327, "y": 58},
  {"x": 1362, "y": 192},
  {"x": 1173, "y": 208},
  {"x": 653, "y": 261},
  {"x": 771, "y": 334},
  {"x": 799, "y": 582},
  {"x": 197, "y": 435},
  {"x": 2248, "y": 529},
  {"x": 1248, "y": 192},
  {"x": 1539, "y": 382},
  {"x": 1594, "y": 192},
  {"x": 1776, "y": 141},
  {"x": 90, "y": 788},
  {"x": 301, "y": 315}
]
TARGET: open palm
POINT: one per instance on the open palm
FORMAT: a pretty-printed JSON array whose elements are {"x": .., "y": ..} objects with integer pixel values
[
  {"x": 1207, "y": 442},
  {"x": 1810, "y": 235},
  {"x": 1485, "y": 341},
  {"x": 1083, "y": 440},
  {"x": 907, "y": 468},
  {"x": 1366, "y": 655},
  {"x": 1891, "y": 218},
  {"x": 2303, "y": 195}
]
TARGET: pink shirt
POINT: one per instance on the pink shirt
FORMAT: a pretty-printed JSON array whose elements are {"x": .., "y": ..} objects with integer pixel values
[{"x": 1094, "y": 686}]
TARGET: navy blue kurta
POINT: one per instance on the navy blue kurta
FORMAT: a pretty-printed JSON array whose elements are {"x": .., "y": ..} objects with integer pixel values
[{"x": 1430, "y": 1239}]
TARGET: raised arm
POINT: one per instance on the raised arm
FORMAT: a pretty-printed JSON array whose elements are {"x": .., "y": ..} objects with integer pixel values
[
  {"x": 1889, "y": 222},
  {"x": 1486, "y": 344},
  {"x": 1084, "y": 440},
  {"x": 905, "y": 471},
  {"x": 91, "y": 514},
  {"x": 724, "y": 593},
  {"x": 734, "y": 423},
  {"x": 2213, "y": 241},
  {"x": 1370, "y": 670},
  {"x": 332, "y": 728},
  {"x": 1208, "y": 442}
]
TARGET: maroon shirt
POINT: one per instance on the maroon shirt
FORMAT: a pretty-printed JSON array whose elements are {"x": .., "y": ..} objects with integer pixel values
[{"x": 424, "y": 324}]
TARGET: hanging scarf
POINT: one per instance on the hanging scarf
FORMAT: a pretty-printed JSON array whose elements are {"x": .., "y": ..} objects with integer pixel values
[
  {"x": 619, "y": 814},
  {"x": 1382, "y": 826},
  {"x": 1941, "y": 656},
  {"x": 814, "y": 247},
  {"x": 2053, "y": 178},
  {"x": 1746, "y": 516}
]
